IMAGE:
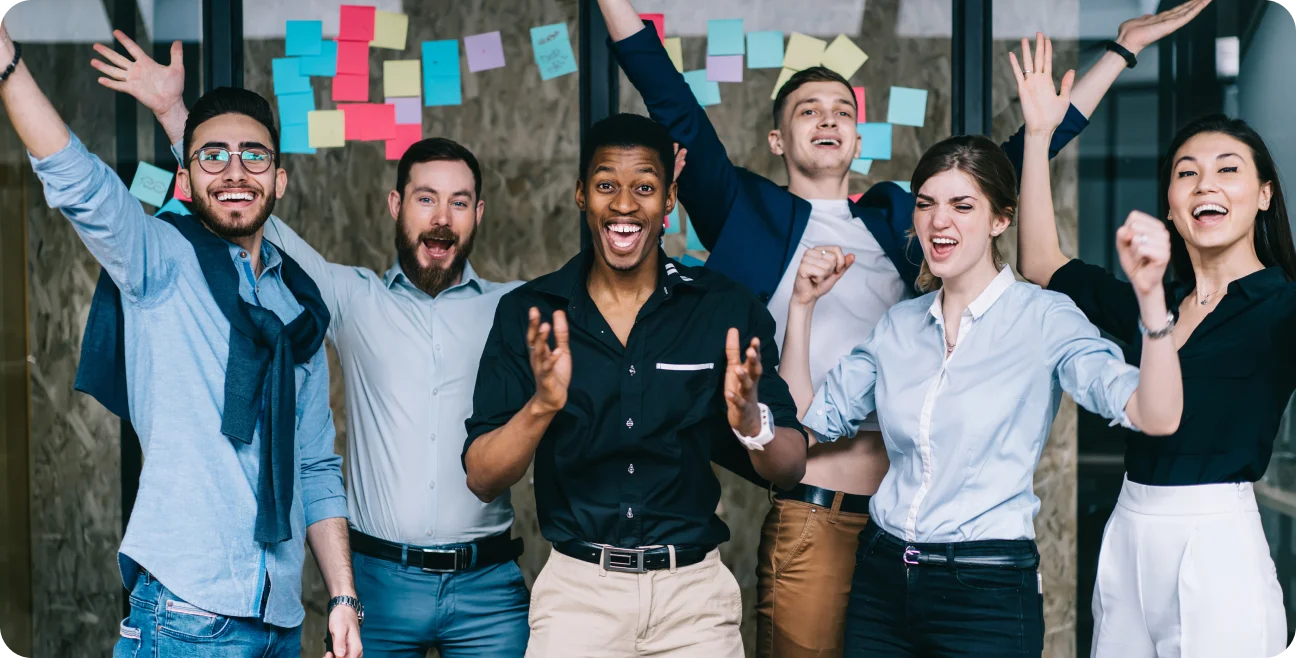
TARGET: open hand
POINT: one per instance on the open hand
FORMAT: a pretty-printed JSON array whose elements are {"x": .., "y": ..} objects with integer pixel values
[
  {"x": 1136, "y": 34},
  {"x": 1043, "y": 107},
  {"x": 741, "y": 376},
  {"x": 551, "y": 367},
  {"x": 159, "y": 88},
  {"x": 679, "y": 160},
  {"x": 344, "y": 630},
  {"x": 821, "y": 268},
  {"x": 1143, "y": 245}
]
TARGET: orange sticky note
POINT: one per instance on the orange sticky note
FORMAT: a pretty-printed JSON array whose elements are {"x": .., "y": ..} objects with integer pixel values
[
  {"x": 353, "y": 57},
  {"x": 356, "y": 24},
  {"x": 406, "y": 136},
  {"x": 855, "y": 197},
  {"x": 859, "y": 103},
  {"x": 348, "y": 87},
  {"x": 369, "y": 121},
  {"x": 658, "y": 21}
]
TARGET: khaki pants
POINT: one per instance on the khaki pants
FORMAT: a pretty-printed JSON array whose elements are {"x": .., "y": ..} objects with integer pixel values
[
  {"x": 804, "y": 569},
  {"x": 580, "y": 611}
]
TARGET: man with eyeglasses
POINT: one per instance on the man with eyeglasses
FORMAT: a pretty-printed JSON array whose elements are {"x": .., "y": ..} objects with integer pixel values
[{"x": 208, "y": 339}]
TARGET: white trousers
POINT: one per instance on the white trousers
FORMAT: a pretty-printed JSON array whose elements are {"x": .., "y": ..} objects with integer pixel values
[{"x": 1185, "y": 572}]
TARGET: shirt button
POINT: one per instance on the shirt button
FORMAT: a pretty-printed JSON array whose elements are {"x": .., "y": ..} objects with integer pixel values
[
  {"x": 242, "y": 254},
  {"x": 631, "y": 469},
  {"x": 632, "y": 371},
  {"x": 629, "y": 422},
  {"x": 429, "y": 533},
  {"x": 431, "y": 484},
  {"x": 435, "y": 391},
  {"x": 629, "y": 512},
  {"x": 434, "y": 436},
  {"x": 438, "y": 346}
]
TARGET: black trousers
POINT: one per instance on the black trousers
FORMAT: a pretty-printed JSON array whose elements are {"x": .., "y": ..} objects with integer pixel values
[{"x": 898, "y": 609}]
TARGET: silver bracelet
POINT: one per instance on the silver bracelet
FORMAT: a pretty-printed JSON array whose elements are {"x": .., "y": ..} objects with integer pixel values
[{"x": 1159, "y": 333}]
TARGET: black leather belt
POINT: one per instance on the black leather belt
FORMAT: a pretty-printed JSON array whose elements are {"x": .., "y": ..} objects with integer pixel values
[
  {"x": 1007, "y": 554},
  {"x": 440, "y": 559},
  {"x": 632, "y": 560},
  {"x": 851, "y": 503}
]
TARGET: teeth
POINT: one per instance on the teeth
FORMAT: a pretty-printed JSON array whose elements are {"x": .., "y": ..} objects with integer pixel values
[
  {"x": 832, "y": 142},
  {"x": 944, "y": 241},
  {"x": 234, "y": 196},
  {"x": 624, "y": 228},
  {"x": 1197, "y": 212}
]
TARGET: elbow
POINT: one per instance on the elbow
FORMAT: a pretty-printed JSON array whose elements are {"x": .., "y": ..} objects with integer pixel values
[
  {"x": 481, "y": 490},
  {"x": 791, "y": 476},
  {"x": 1162, "y": 426}
]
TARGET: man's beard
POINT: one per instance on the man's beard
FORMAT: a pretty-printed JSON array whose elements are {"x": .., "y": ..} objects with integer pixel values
[
  {"x": 435, "y": 279},
  {"x": 212, "y": 219}
]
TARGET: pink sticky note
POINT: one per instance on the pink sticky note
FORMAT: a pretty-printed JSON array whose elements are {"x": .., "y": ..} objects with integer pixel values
[
  {"x": 351, "y": 87},
  {"x": 724, "y": 68},
  {"x": 658, "y": 21},
  {"x": 485, "y": 51},
  {"x": 353, "y": 57},
  {"x": 856, "y": 197},
  {"x": 357, "y": 24},
  {"x": 859, "y": 103},
  {"x": 369, "y": 121},
  {"x": 179, "y": 194},
  {"x": 408, "y": 110},
  {"x": 406, "y": 136}
]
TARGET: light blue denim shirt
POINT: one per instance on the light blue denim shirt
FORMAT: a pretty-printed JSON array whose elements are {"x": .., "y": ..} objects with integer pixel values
[
  {"x": 965, "y": 433},
  {"x": 192, "y": 524}
]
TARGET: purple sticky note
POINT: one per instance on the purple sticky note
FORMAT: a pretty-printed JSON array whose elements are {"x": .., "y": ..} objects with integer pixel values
[
  {"x": 408, "y": 110},
  {"x": 724, "y": 68},
  {"x": 485, "y": 51}
]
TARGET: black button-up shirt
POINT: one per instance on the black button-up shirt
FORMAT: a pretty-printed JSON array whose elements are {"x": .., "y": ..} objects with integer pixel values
[
  {"x": 1239, "y": 371},
  {"x": 627, "y": 462}
]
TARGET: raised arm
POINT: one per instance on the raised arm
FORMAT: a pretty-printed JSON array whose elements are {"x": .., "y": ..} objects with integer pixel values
[
  {"x": 820, "y": 269},
  {"x": 159, "y": 88},
  {"x": 709, "y": 184}
]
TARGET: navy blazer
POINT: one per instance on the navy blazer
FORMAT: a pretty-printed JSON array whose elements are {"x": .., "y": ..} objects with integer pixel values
[{"x": 750, "y": 224}]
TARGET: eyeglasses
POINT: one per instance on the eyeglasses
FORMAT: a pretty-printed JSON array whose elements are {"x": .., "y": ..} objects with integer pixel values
[{"x": 215, "y": 159}]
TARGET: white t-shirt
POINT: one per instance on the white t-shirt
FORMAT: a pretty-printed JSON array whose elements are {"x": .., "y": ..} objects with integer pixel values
[{"x": 845, "y": 316}]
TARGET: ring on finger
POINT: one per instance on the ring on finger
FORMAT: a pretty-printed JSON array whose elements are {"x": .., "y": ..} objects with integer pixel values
[
  {"x": 1140, "y": 239},
  {"x": 823, "y": 252}
]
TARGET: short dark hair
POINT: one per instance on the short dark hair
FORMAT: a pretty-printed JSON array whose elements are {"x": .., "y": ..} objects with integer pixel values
[
  {"x": 230, "y": 100},
  {"x": 625, "y": 131},
  {"x": 806, "y": 76},
  {"x": 437, "y": 149}
]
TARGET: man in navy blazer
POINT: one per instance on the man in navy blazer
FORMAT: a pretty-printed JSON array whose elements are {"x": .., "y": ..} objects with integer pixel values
[{"x": 757, "y": 231}]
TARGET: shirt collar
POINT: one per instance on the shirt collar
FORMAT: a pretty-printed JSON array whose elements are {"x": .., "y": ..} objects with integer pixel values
[
  {"x": 998, "y": 285},
  {"x": 569, "y": 281},
  {"x": 395, "y": 275},
  {"x": 1256, "y": 285},
  {"x": 270, "y": 257}
]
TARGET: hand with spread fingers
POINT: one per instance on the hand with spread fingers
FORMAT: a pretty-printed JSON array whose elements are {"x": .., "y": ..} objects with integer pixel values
[
  {"x": 1136, "y": 34},
  {"x": 1143, "y": 245},
  {"x": 742, "y": 373},
  {"x": 551, "y": 367},
  {"x": 821, "y": 268},
  {"x": 159, "y": 88},
  {"x": 1043, "y": 106}
]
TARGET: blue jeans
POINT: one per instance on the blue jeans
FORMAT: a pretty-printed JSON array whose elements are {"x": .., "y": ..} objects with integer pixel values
[
  {"x": 481, "y": 613},
  {"x": 161, "y": 625}
]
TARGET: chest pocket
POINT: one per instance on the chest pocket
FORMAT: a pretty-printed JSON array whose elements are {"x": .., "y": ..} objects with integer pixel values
[{"x": 687, "y": 388}]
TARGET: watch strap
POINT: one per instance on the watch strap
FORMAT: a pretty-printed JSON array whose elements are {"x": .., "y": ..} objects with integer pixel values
[{"x": 766, "y": 432}]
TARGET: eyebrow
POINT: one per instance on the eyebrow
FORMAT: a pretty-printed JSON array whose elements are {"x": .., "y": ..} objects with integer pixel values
[
  {"x": 431, "y": 190},
  {"x": 1189, "y": 158},
  {"x": 242, "y": 145}
]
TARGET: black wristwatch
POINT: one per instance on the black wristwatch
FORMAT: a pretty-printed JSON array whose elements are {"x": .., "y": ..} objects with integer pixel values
[{"x": 350, "y": 601}]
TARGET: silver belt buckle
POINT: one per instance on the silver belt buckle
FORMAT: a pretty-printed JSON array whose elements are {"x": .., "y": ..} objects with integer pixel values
[
  {"x": 454, "y": 553},
  {"x": 911, "y": 555},
  {"x": 624, "y": 560}
]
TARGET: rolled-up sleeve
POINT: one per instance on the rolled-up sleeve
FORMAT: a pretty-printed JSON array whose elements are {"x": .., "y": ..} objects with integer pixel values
[
  {"x": 1089, "y": 367},
  {"x": 847, "y": 396},
  {"x": 504, "y": 379},
  {"x": 323, "y": 494}
]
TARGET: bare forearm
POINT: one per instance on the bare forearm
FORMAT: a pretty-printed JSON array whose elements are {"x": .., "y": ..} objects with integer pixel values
[
  {"x": 1093, "y": 85},
  {"x": 498, "y": 459},
  {"x": 331, "y": 546},
  {"x": 794, "y": 365},
  {"x": 37, "y": 123},
  {"x": 621, "y": 18},
  {"x": 173, "y": 121},
  {"x": 1039, "y": 254},
  {"x": 1157, "y": 404},
  {"x": 783, "y": 460}
]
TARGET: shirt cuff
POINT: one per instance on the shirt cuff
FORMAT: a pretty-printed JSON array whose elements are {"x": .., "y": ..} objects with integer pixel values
[
  {"x": 333, "y": 507},
  {"x": 817, "y": 421},
  {"x": 1121, "y": 391},
  {"x": 72, "y": 162},
  {"x": 177, "y": 150}
]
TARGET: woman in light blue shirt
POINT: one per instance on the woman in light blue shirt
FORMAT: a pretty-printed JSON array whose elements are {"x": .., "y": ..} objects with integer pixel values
[{"x": 965, "y": 381}]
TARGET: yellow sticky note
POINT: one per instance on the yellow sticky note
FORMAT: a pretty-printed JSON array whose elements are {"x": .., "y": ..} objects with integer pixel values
[
  {"x": 802, "y": 52},
  {"x": 675, "y": 48},
  {"x": 783, "y": 78},
  {"x": 326, "y": 128},
  {"x": 843, "y": 56},
  {"x": 389, "y": 30},
  {"x": 402, "y": 78}
]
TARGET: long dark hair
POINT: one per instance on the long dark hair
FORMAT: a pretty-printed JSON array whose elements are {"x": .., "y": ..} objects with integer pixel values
[
  {"x": 1273, "y": 236},
  {"x": 988, "y": 166}
]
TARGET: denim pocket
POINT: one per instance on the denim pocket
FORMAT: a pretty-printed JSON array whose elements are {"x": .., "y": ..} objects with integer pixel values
[
  {"x": 128, "y": 645},
  {"x": 991, "y": 578},
  {"x": 186, "y": 622}
]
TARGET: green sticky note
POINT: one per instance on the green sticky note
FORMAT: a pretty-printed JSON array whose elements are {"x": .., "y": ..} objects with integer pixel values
[
  {"x": 151, "y": 184},
  {"x": 725, "y": 36},
  {"x": 693, "y": 243},
  {"x": 553, "y": 51},
  {"x": 861, "y": 165},
  {"x": 705, "y": 91},
  {"x": 907, "y": 107},
  {"x": 765, "y": 50},
  {"x": 875, "y": 140}
]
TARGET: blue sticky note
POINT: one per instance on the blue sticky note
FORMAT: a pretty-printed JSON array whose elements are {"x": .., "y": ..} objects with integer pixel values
[
  {"x": 693, "y": 243},
  {"x": 907, "y": 107},
  {"x": 324, "y": 64},
  {"x": 293, "y": 108},
  {"x": 673, "y": 221},
  {"x": 705, "y": 91},
  {"x": 303, "y": 38},
  {"x": 875, "y": 140},
  {"x": 725, "y": 37},
  {"x": 765, "y": 50},
  {"x": 691, "y": 261},
  {"x": 287, "y": 76},
  {"x": 904, "y": 185},
  {"x": 553, "y": 51},
  {"x": 174, "y": 205},
  {"x": 295, "y": 139},
  {"x": 861, "y": 165},
  {"x": 151, "y": 184},
  {"x": 442, "y": 90},
  {"x": 441, "y": 58}
]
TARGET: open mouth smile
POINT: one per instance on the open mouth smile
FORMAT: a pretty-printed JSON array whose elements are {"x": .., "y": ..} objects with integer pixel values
[{"x": 622, "y": 236}]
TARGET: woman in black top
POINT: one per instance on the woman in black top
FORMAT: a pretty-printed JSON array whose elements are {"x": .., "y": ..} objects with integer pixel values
[{"x": 1185, "y": 568}]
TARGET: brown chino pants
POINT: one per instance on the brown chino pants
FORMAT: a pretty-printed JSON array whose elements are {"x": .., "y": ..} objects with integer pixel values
[{"x": 804, "y": 570}]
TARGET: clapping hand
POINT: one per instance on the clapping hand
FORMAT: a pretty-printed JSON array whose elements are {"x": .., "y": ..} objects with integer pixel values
[{"x": 1043, "y": 107}]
